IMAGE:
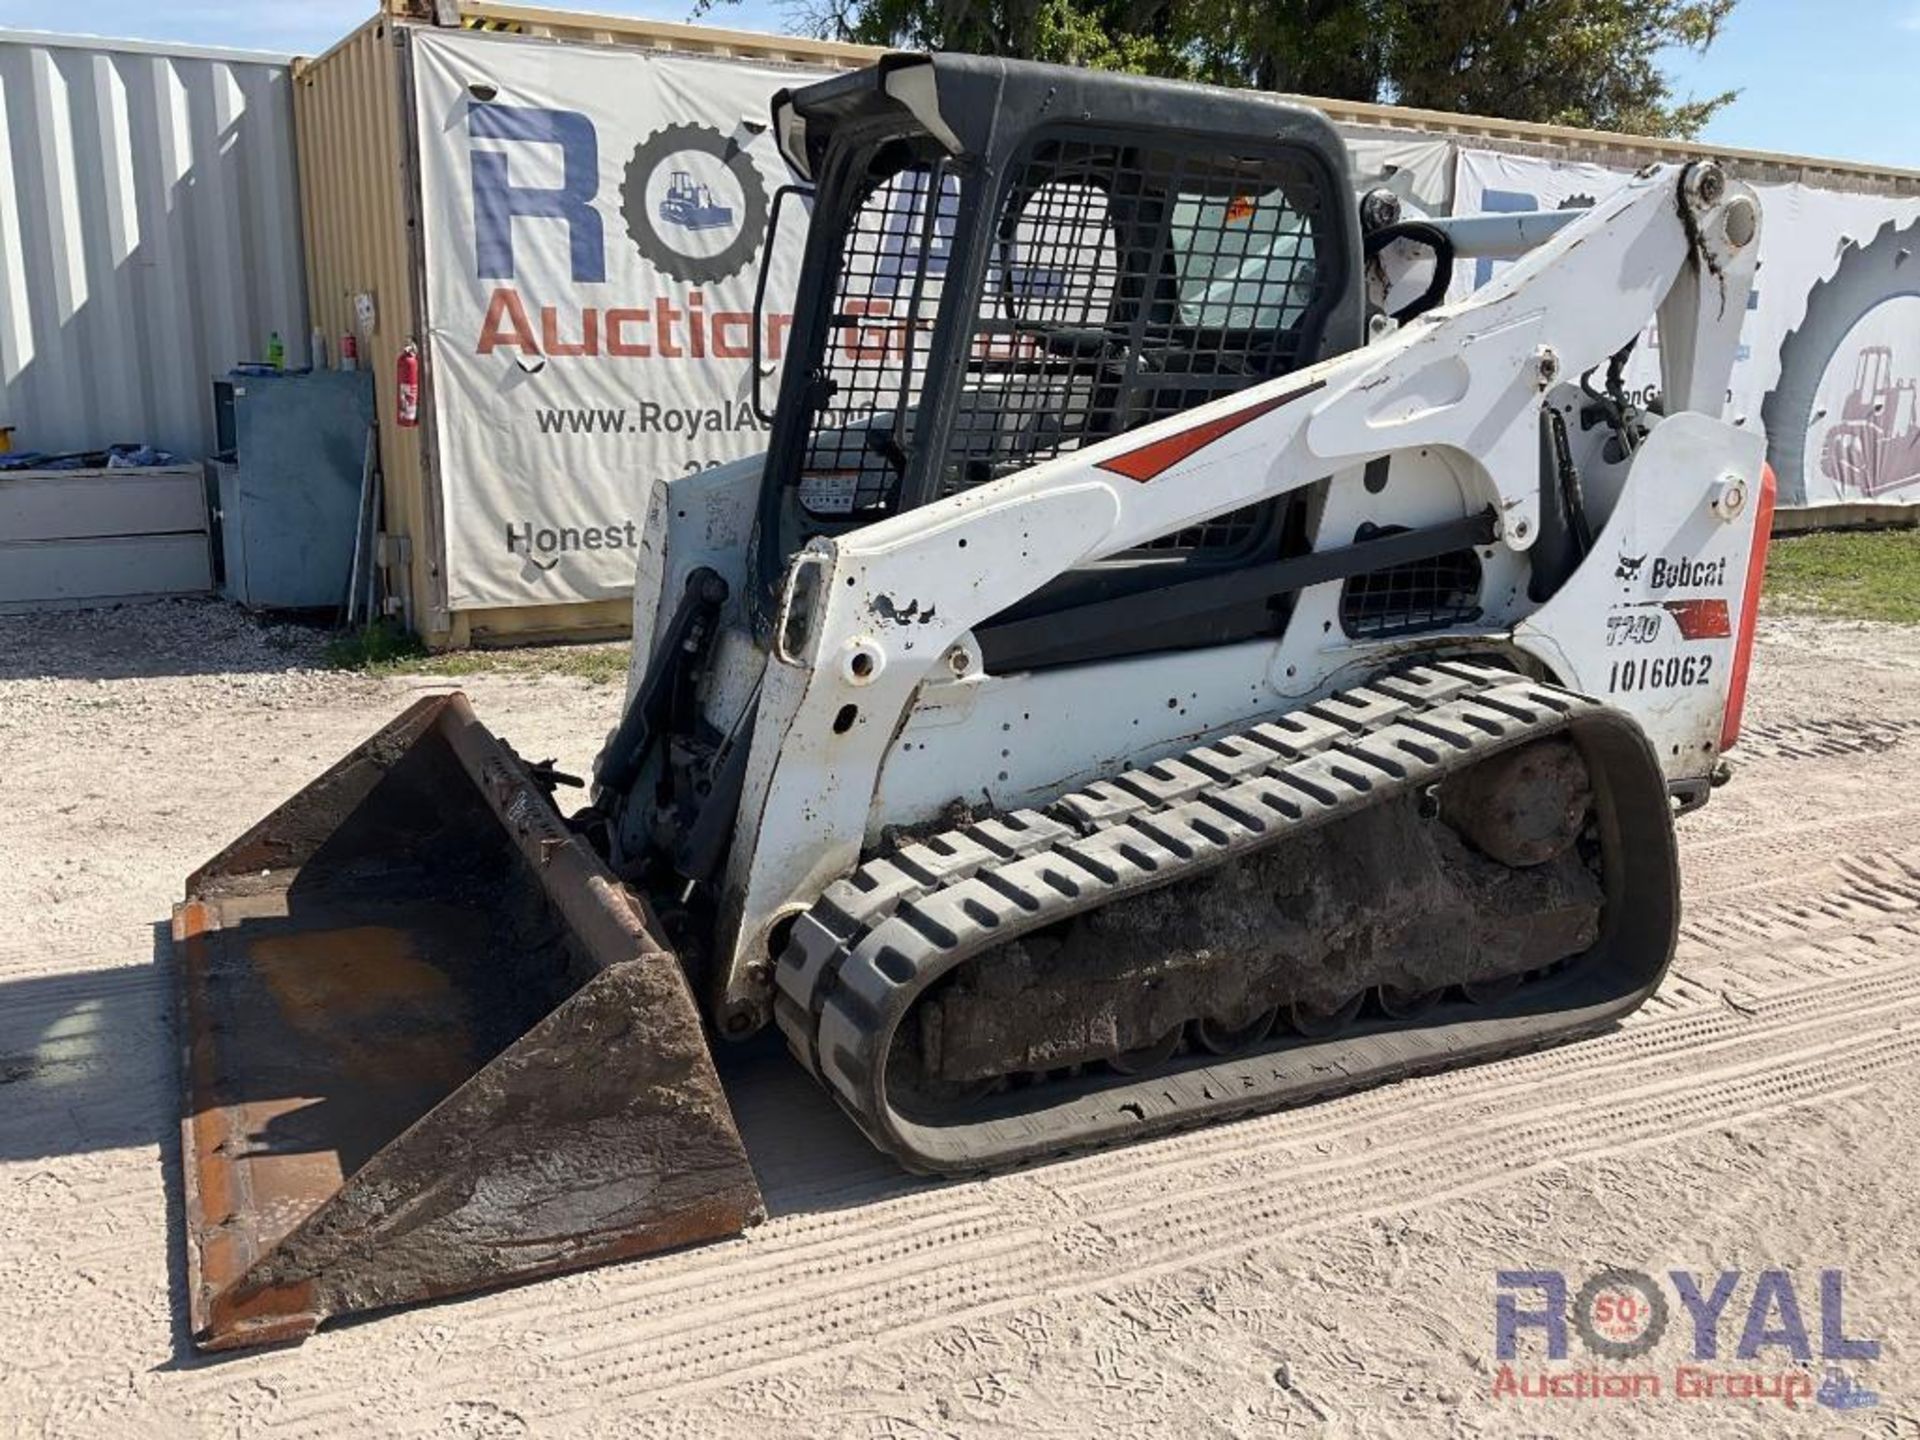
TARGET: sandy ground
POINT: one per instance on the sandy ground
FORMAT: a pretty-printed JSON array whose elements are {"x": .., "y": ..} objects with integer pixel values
[{"x": 1331, "y": 1269}]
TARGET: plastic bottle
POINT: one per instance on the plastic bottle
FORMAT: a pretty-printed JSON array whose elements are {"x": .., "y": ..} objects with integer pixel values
[
  {"x": 276, "y": 351},
  {"x": 317, "y": 349}
]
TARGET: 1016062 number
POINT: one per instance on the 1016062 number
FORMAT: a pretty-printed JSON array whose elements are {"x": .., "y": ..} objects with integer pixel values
[{"x": 1662, "y": 672}]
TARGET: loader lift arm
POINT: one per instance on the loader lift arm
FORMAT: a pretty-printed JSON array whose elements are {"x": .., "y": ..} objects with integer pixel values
[{"x": 1470, "y": 379}]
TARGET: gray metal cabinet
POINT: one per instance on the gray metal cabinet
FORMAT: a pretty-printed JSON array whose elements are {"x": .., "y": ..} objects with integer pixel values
[{"x": 290, "y": 493}]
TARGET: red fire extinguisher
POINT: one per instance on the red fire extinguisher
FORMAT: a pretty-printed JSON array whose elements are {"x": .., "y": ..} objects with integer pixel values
[{"x": 406, "y": 386}]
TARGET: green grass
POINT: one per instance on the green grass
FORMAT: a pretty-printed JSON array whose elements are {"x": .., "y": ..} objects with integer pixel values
[
  {"x": 385, "y": 649},
  {"x": 373, "y": 647},
  {"x": 1853, "y": 575}
]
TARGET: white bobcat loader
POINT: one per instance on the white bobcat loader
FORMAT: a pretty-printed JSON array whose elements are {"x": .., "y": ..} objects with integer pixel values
[{"x": 1166, "y": 665}]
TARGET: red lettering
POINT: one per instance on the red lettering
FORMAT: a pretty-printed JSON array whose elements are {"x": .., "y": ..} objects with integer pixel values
[
  {"x": 506, "y": 324},
  {"x": 724, "y": 321},
  {"x": 589, "y": 343},
  {"x": 868, "y": 343},
  {"x": 693, "y": 332},
  {"x": 617, "y": 321},
  {"x": 663, "y": 317}
]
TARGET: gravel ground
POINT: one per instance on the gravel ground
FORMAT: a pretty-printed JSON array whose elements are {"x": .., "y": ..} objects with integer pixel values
[{"x": 1328, "y": 1270}]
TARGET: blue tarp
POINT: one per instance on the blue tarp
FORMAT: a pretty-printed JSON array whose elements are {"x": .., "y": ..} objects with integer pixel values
[{"x": 114, "y": 457}]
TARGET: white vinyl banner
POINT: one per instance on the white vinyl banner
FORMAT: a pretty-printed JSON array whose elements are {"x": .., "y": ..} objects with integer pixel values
[
  {"x": 1420, "y": 172},
  {"x": 593, "y": 226},
  {"x": 594, "y": 220},
  {"x": 1830, "y": 351},
  {"x": 1836, "y": 345}
]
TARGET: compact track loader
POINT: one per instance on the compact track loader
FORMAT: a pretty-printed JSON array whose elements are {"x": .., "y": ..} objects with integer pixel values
[{"x": 1167, "y": 665}]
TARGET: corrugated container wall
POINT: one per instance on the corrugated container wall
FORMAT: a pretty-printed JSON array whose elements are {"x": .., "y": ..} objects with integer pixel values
[
  {"x": 356, "y": 207},
  {"x": 149, "y": 237}
]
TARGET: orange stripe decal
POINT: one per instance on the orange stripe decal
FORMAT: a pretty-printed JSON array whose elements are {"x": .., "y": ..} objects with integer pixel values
[
  {"x": 1749, "y": 610},
  {"x": 1156, "y": 457},
  {"x": 1700, "y": 619}
]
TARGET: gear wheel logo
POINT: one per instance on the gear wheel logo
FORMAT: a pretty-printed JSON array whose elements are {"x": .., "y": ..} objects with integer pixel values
[
  {"x": 1843, "y": 411},
  {"x": 694, "y": 203},
  {"x": 1620, "y": 1314}
]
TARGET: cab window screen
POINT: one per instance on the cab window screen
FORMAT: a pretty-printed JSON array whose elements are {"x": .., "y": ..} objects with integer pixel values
[
  {"x": 1124, "y": 283},
  {"x": 1129, "y": 283},
  {"x": 1244, "y": 263},
  {"x": 892, "y": 274}
]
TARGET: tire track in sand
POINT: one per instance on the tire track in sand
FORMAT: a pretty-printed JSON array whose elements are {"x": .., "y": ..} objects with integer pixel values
[{"x": 796, "y": 1291}]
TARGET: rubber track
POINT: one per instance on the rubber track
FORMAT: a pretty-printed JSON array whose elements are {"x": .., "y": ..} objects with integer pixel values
[{"x": 878, "y": 939}]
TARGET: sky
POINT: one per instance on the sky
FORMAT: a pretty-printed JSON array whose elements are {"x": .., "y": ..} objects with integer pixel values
[{"x": 1828, "y": 78}]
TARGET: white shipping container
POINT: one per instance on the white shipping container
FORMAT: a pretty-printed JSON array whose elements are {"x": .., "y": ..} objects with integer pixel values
[{"x": 149, "y": 236}]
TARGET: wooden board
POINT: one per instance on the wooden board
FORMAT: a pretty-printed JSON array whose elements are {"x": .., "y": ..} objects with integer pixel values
[
  {"x": 79, "y": 537},
  {"x": 36, "y": 574},
  {"x": 86, "y": 504}
]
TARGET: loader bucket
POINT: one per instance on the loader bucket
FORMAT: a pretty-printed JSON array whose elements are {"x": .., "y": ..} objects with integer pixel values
[{"x": 431, "y": 1045}]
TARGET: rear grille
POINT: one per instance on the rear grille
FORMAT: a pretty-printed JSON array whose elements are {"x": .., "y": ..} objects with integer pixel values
[
  {"x": 1230, "y": 532},
  {"x": 1410, "y": 599}
]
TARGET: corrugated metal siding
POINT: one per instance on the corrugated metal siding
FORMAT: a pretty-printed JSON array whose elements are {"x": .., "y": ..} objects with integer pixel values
[
  {"x": 355, "y": 201},
  {"x": 149, "y": 238}
]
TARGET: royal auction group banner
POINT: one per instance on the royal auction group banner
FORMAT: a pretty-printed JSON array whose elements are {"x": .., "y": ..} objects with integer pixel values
[
  {"x": 594, "y": 224},
  {"x": 594, "y": 221},
  {"x": 1830, "y": 351}
]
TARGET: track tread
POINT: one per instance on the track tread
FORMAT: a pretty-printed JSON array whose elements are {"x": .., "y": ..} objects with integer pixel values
[{"x": 900, "y": 921}]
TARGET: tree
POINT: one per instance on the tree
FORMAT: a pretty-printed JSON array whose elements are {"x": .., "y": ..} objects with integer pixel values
[{"x": 1591, "y": 63}]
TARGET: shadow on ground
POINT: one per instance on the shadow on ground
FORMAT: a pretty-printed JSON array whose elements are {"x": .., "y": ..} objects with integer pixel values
[
  {"x": 86, "y": 1059},
  {"x": 807, "y": 1154},
  {"x": 89, "y": 1061}
]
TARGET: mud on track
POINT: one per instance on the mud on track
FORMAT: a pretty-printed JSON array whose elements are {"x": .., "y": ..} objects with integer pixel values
[{"x": 1327, "y": 1269}]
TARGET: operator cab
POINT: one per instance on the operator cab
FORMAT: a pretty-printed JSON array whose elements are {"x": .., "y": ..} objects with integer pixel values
[{"x": 985, "y": 296}]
